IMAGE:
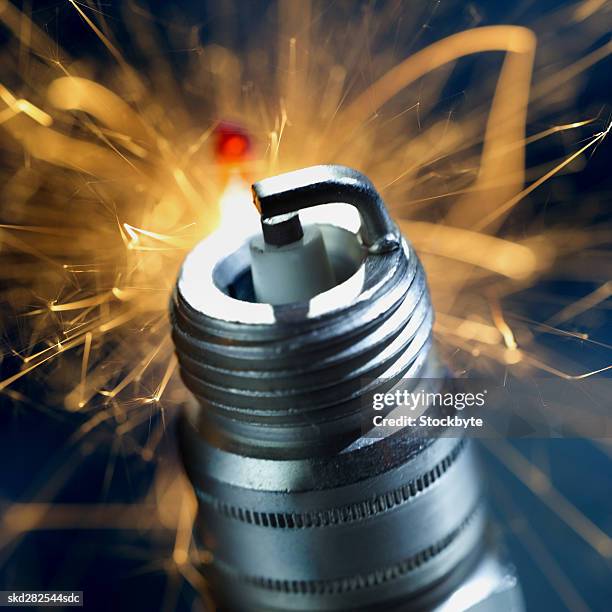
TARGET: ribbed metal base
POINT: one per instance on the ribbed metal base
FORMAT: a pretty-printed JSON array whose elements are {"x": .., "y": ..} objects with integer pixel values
[{"x": 377, "y": 523}]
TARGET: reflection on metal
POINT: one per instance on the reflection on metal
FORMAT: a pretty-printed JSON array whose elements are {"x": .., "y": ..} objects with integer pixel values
[{"x": 300, "y": 509}]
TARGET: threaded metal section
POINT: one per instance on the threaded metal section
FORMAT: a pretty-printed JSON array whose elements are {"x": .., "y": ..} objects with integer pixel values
[{"x": 299, "y": 382}]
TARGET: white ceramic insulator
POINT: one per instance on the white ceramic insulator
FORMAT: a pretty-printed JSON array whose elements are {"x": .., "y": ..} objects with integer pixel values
[{"x": 292, "y": 273}]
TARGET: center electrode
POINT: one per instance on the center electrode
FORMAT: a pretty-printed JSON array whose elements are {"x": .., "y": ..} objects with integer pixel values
[{"x": 289, "y": 263}]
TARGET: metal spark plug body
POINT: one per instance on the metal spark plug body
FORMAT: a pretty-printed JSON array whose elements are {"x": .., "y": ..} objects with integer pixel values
[{"x": 299, "y": 508}]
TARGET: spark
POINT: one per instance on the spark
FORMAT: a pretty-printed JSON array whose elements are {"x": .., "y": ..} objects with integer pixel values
[
  {"x": 500, "y": 323},
  {"x": 184, "y": 527},
  {"x": 570, "y": 72},
  {"x": 166, "y": 379},
  {"x": 495, "y": 214},
  {"x": 582, "y": 336},
  {"x": 556, "y": 129},
  {"x": 53, "y": 231},
  {"x": 589, "y": 301},
  {"x": 121, "y": 319},
  {"x": 105, "y": 41},
  {"x": 500, "y": 256},
  {"x": 16, "y": 106},
  {"x": 84, "y": 364},
  {"x": 135, "y": 232},
  {"x": 586, "y": 8},
  {"x": 137, "y": 372},
  {"x": 88, "y": 426},
  {"x": 24, "y": 517},
  {"x": 534, "y": 361},
  {"x": 84, "y": 303},
  {"x": 59, "y": 349},
  {"x": 467, "y": 329}
]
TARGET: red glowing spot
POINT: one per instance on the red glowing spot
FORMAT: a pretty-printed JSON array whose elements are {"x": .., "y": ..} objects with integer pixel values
[
  {"x": 232, "y": 143},
  {"x": 234, "y": 146}
]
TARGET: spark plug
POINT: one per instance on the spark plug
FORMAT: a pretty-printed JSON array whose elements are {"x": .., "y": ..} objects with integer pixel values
[{"x": 280, "y": 337}]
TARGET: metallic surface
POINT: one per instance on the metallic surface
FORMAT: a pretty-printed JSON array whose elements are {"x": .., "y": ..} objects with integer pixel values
[
  {"x": 289, "y": 379},
  {"x": 300, "y": 508},
  {"x": 282, "y": 230},
  {"x": 376, "y": 523},
  {"x": 318, "y": 185},
  {"x": 492, "y": 585}
]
